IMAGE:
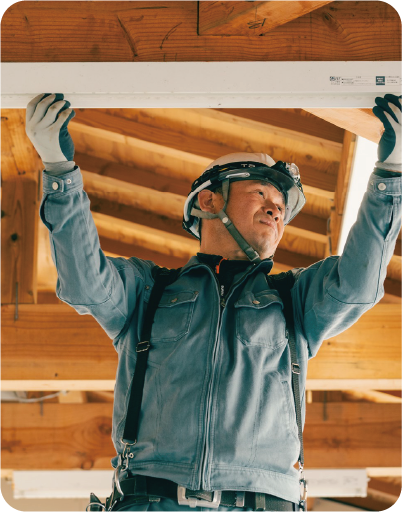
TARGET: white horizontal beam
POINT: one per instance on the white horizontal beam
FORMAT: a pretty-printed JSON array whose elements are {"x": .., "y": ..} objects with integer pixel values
[
  {"x": 78, "y": 484},
  {"x": 108, "y": 385},
  {"x": 202, "y": 84}
]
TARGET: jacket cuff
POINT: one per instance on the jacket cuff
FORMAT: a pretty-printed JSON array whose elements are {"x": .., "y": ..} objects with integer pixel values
[
  {"x": 384, "y": 182},
  {"x": 63, "y": 183},
  {"x": 386, "y": 174}
]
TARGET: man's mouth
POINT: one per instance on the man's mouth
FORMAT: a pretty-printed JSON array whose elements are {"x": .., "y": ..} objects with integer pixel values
[{"x": 269, "y": 223}]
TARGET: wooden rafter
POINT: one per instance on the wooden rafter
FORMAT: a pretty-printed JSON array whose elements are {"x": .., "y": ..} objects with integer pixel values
[
  {"x": 349, "y": 143},
  {"x": 249, "y": 19},
  {"x": 334, "y": 432},
  {"x": 146, "y": 237},
  {"x": 19, "y": 211},
  {"x": 164, "y": 203},
  {"x": 70, "y": 436},
  {"x": 360, "y": 121},
  {"x": 366, "y": 30},
  {"x": 319, "y": 159},
  {"x": 65, "y": 349}
]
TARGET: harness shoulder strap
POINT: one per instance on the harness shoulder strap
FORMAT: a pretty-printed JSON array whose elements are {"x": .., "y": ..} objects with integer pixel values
[
  {"x": 283, "y": 283},
  {"x": 163, "y": 277}
]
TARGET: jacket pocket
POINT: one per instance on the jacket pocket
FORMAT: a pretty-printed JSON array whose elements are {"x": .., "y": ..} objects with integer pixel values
[
  {"x": 173, "y": 316},
  {"x": 260, "y": 320}
]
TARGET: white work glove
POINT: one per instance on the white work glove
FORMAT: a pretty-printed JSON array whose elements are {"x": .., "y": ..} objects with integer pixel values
[
  {"x": 47, "y": 117},
  {"x": 388, "y": 111}
]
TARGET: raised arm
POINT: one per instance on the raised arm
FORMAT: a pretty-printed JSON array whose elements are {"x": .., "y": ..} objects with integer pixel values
[
  {"x": 106, "y": 288},
  {"x": 332, "y": 294}
]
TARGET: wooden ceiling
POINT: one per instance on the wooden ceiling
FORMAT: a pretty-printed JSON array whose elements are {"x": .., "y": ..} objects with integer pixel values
[{"x": 138, "y": 165}]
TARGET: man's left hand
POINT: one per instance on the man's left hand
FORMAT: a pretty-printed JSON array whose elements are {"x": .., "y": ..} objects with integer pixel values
[{"x": 388, "y": 111}]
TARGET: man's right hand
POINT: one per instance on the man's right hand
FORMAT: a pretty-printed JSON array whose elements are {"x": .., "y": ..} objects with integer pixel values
[{"x": 47, "y": 118}]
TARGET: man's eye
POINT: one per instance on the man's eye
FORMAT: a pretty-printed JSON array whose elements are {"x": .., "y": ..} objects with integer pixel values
[{"x": 260, "y": 192}]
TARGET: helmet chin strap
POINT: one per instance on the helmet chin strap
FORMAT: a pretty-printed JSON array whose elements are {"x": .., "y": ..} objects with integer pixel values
[{"x": 251, "y": 253}]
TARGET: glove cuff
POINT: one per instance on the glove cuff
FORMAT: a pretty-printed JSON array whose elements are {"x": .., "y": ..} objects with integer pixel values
[
  {"x": 388, "y": 167},
  {"x": 56, "y": 168}
]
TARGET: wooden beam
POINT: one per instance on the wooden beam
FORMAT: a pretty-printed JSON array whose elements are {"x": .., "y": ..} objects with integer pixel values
[
  {"x": 73, "y": 436},
  {"x": 316, "y": 225},
  {"x": 19, "y": 211},
  {"x": 171, "y": 205},
  {"x": 398, "y": 247},
  {"x": 291, "y": 119},
  {"x": 58, "y": 345},
  {"x": 386, "y": 490},
  {"x": 172, "y": 250},
  {"x": 144, "y": 236},
  {"x": 249, "y": 129},
  {"x": 136, "y": 196},
  {"x": 64, "y": 436},
  {"x": 317, "y": 159},
  {"x": 167, "y": 31},
  {"x": 360, "y": 121},
  {"x": 100, "y": 396},
  {"x": 352, "y": 435},
  {"x": 367, "y": 503},
  {"x": 291, "y": 259},
  {"x": 342, "y": 185},
  {"x": 126, "y": 250},
  {"x": 249, "y": 19},
  {"x": 65, "y": 349},
  {"x": 149, "y": 178},
  {"x": 371, "y": 396},
  {"x": 47, "y": 273},
  {"x": 72, "y": 397},
  {"x": 367, "y": 345}
]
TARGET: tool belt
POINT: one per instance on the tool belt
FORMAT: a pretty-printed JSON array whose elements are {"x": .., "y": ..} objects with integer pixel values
[{"x": 139, "y": 489}]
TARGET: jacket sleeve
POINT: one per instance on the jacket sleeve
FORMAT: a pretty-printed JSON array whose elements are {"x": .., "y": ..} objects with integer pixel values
[
  {"x": 90, "y": 282},
  {"x": 330, "y": 295}
]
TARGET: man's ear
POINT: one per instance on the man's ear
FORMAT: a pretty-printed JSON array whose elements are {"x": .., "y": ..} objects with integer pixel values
[{"x": 209, "y": 201}]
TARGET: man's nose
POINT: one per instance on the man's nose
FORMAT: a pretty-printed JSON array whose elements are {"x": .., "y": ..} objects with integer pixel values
[{"x": 274, "y": 213}]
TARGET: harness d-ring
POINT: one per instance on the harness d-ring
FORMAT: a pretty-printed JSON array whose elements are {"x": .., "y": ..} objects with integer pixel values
[{"x": 96, "y": 505}]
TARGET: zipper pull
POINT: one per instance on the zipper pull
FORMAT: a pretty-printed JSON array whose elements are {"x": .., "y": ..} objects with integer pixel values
[
  {"x": 218, "y": 266},
  {"x": 223, "y": 303}
]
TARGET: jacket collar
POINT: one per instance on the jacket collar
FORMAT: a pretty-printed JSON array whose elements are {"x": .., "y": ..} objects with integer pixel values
[{"x": 264, "y": 266}]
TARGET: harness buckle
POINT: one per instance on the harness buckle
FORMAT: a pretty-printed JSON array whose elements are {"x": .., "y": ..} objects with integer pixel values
[
  {"x": 144, "y": 349},
  {"x": 295, "y": 368},
  {"x": 195, "y": 502},
  {"x": 303, "y": 488},
  {"x": 240, "y": 499}
]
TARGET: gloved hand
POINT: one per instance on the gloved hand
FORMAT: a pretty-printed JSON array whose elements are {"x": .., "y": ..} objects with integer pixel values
[
  {"x": 388, "y": 111},
  {"x": 47, "y": 118}
]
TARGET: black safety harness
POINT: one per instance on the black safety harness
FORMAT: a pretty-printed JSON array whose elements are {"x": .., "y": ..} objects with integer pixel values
[{"x": 142, "y": 489}]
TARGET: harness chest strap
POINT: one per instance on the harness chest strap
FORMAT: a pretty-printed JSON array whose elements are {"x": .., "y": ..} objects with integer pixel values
[
  {"x": 283, "y": 283},
  {"x": 163, "y": 277}
]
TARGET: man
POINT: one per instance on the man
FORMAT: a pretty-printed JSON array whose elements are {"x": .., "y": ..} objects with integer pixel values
[{"x": 218, "y": 420}]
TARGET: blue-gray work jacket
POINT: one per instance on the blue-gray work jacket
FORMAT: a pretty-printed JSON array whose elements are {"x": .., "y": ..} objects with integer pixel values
[{"x": 218, "y": 409}]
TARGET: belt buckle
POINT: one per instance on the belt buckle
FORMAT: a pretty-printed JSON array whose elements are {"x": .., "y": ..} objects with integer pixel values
[{"x": 195, "y": 502}]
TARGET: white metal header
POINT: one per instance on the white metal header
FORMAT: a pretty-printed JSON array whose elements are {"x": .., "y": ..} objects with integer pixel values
[
  {"x": 203, "y": 84},
  {"x": 79, "y": 483}
]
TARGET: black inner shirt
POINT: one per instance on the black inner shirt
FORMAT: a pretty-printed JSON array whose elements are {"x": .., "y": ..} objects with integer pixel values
[{"x": 224, "y": 269}]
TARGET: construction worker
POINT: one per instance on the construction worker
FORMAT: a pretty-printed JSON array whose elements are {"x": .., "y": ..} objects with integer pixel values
[{"x": 209, "y": 397}]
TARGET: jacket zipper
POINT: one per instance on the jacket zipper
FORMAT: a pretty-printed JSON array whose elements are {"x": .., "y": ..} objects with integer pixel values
[
  {"x": 222, "y": 301},
  {"x": 210, "y": 386}
]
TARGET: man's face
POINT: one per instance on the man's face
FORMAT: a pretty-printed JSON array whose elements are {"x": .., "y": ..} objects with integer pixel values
[{"x": 257, "y": 209}]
